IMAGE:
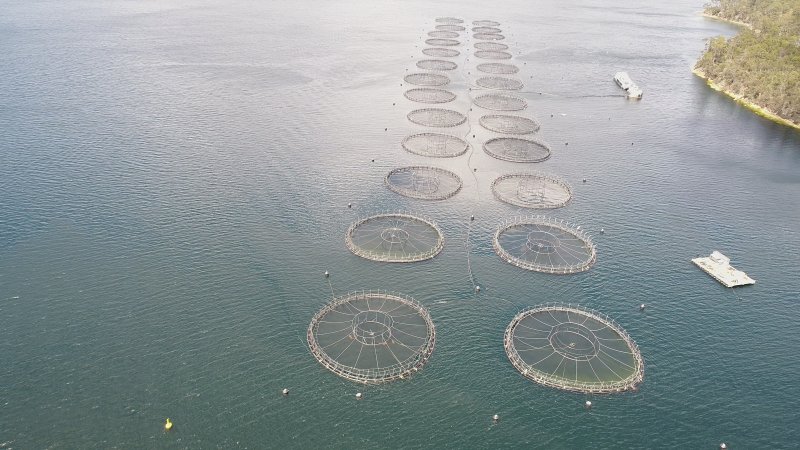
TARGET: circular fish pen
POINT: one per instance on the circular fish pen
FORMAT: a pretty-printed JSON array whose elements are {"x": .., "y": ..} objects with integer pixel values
[
  {"x": 488, "y": 54},
  {"x": 436, "y": 117},
  {"x": 485, "y": 23},
  {"x": 426, "y": 79},
  {"x": 395, "y": 238},
  {"x": 543, "y": 244},
  {"x": 500, "y": 102},
  {"x": 499, "y": 83},
  {"x": 443, "y": 34},
  {"x": 491, "y": 46},
  {"x": 488, "y": 30},
  {"x": 448, "y": 27},
  {"x": 532, "y": 190},
  {"x": 372, "y": 337},
  {"x": 517, "y": 150},
  {"x": 440, "y": 52},
  {"x": 489, "y": 36},
  {"x": 435, "y": 145},
  {"x": 429, "y": 95},
  {"x": 436, "y": 64},
  {"x": 423, "y": 182},
  {"x": 500, "y": 123},
  {"x": 449, "y": 20},
  {"x": 442, "y": 42},
  {"x": 573, "y": 348},
  {"x": 498, "y": 68}
]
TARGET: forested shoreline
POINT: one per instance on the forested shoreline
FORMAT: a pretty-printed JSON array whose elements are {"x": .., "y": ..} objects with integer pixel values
[{"x": 760, "y": 65}]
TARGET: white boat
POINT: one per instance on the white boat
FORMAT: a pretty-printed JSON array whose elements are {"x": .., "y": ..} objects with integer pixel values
[
  {"x": 624, "y": 81},
  {"x": 719, "y": 266}
]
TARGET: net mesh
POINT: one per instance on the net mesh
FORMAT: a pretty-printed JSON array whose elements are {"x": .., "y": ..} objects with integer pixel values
[
  {"x": 428, "y": 183},
  {"x": 394, "y": 238},
  {"x": 498, "y": 68},
  {"x": 372, "y": 337},
  {"x": 500, "y": 123},
  {"x": 427, "y": 79},
  {"x": 532, "y": 190},
  {"x": 489, "y": 36},
  {"x": 442, "y": 42},
  {"x": 429, "y": 95},
  {"x": 435, "y": 145},
  {"x": 543, "y": 244},
  {"x": 488, "y": 54},
  {"x": 573, "y": 348},
  {"x": 443, "y": 34},
  {"x": 436, "y": 117},
  {"x": 440, "y": 52},
  {"x": 499, "y": 83},
  {"x": 436, "y": 64},
  {"x": 517, "y": 150},
  {"x": 491, "y": 46},
  {"x": 500, "y": 102}
]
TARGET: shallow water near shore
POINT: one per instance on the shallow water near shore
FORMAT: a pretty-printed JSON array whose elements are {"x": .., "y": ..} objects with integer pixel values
[{"x": 174, "y": 182}]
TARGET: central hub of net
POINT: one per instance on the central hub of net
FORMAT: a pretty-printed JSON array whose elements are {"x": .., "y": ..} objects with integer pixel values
[
  {"x": 574, "y": 341},
  {"x": 541, "y": 241},
  {"x": 394, "y": 237},
  {"x": 372, "y": 327},
  {"x": 424, "y": 182}
]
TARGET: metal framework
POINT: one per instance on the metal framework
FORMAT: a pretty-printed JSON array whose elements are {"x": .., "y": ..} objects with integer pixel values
[
  {"x": 543, "y": 244},
  {"x": 429, "y": 95},
  {"x": 438, "y": 52},
  {"x": 424, "y": 182},
  {"x": 436, "y": 117},
  {"x": 436, "y": 64},
  {"x": 501, "y": 123},
  {"x": 500, "y": 102},
  {"x": 573, "y": 348},
  {"x": 498, "y": 68},
  {"x": 499, "y": 83},
  {"x": 372, "y": 337},
  {"x": 435, "y": 145},
  {"x": 517, "y": 149},
  {"x": 427, "y": 79},
  {"x": 489, "y": 54},
  {"x": 532, "y": 190},
  {"x": 395, "y": 238}
]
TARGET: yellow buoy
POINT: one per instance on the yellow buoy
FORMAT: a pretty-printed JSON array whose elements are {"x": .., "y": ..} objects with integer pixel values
[{"x": 168, "y": 424}]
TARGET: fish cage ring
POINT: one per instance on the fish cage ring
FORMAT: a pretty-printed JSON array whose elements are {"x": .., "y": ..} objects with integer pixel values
[
  {"x": 395, "y": 238},
  {"x": 427, "y": 79},
  {"x": 543, "y": 244},
  {"x": 435, "y": 145},
  {"x": 489, "y": 54},
  {"x": 429, "y": 95},
  {"x": 532, "y": 190},
  {"x": 573, "y": 348},
  {"x": 498, "y": 68},
  {"x": 424, "y": 182},
  {"x": 499, "y": 83},
  {"x": 502, "y": 123},
  {"x": 491, "y": 46},
  {"x": 372, "y": 337},
  {"x": 436, "y": 117},
  {"x": 439, "y": 52},
  {"x": 517, "y": 149},
  {"x": 500, "y": 102},
  {"x": 436, "y": 64}
]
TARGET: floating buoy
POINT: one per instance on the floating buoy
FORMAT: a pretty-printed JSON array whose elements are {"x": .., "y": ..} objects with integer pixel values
[
  {"x": 472, "y": 217},
  {"x": 327, "y": 274},
  {"x": 373, "y": 160},
  {"x": 477, "y": 288},
  {"x": 723, "y": 446},
  {"x": 385, "y": 129},
  {"x": 602, "y": 230},
  {"x": 349, "y": 205},
  {"x": 588, "y": 404},
  {"x": 475, "y": 169},
  {"x": 168, "y": 424},
  {"x": 641, "y": 307},
  {"x": 285, "y": 390},
  {"x": 358, "y": 395},
  {"x": 584, "y": 180},
  {"x": 496, "y": 417}
]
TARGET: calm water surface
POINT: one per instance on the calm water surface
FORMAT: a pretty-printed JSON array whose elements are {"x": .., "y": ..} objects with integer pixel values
[{"x": 174, "y": 180}]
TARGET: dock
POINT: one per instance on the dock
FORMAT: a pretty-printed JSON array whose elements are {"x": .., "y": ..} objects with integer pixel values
[{"x": 719, "y": 266}]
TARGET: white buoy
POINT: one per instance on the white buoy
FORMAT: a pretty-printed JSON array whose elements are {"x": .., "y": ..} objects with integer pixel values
[
  {"x": 477, "y": 288},
  {"x": 588, "y": 404},
  {"x": 358, "y": 396},
  {"x": 327, "y": 274},
  {"x": 641, "y": 307},
  {"x": 285, "y": 391},
  {"x": 496, "y": 417},
  {"x": 602, "y": 230},
  {"x": 349, "y": 205},
  {"x": 584, "y": 180},
  {"x": 723, "y": 446},
  {"x": 472, "y": 217}
]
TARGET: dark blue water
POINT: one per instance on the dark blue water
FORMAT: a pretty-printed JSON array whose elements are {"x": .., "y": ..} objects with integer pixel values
[{"x": 174, "y": 180}]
